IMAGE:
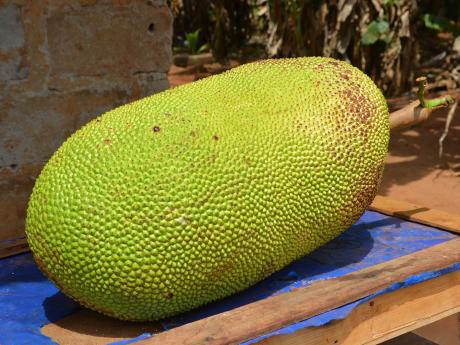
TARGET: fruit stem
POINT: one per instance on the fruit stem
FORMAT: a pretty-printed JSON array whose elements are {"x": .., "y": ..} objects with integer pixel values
[
  {"x": 430, "y": 103},
  {"x": 420, "y": 110}
]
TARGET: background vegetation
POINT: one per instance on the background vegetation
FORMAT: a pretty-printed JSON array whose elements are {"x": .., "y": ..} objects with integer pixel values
[{"x": 391, "y": 40}]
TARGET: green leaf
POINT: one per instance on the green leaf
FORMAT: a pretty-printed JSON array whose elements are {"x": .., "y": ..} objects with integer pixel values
[
  {"x": 375, "y": 29},
  {"x": 205, "y": 47},
  {"x": 192, "y": 40},
  {"x": 440, "y": 24},
  {"x": 383, "y": 26}
]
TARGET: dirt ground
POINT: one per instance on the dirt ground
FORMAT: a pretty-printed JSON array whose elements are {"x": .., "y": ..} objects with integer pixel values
[{"x": 414, "y": 172}]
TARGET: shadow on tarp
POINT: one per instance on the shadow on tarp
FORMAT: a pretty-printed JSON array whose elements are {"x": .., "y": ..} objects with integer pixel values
[{"x": 54, "y": 304}]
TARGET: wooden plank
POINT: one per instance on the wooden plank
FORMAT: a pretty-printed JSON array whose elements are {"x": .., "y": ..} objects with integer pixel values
[
  {"x": 261, "y": 317},
  {"x": 91, "y": 328},
  {"x": 386, "y": 316},
  {"x": 443, "y": 332},
  {"x": 13, "y": 247},
  {"x": 416, "y": 213}
]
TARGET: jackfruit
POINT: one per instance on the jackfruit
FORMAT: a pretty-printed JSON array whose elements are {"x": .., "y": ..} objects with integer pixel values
[{"x": 192, "y": 194}]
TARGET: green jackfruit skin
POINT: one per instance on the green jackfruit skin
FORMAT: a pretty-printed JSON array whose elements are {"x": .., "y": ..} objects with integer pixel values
[{"x": 190, "y": 195}]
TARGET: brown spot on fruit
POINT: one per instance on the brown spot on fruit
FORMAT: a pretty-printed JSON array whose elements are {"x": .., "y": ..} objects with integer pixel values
[
  {"x": 107, "y": 142},
  {"x": 348, "y": 93},
  {"x": 215, "y": 137},
  {"x": 156, "y": 129},
  {"x": 319, "y": 67},
  {"x": 358, "y": 105},
  {"x": 169, "y": 295},
  {"x": 222, "y": 269}
]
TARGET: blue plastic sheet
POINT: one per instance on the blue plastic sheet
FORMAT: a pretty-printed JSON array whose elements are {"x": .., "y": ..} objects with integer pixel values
[{"x": 28, "y": 300}]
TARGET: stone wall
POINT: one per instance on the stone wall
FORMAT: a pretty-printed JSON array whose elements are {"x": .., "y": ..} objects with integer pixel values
[{"x": 61, "y": 64}]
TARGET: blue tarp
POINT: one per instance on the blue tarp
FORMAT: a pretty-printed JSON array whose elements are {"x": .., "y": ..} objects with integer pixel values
[{"x": 28, "y": 300}]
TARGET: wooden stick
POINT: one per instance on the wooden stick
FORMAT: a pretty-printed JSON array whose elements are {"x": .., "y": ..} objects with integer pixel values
[
  {"x": 450, "y": 116},
  {"x": 416, "y": 213},
  {"x": 261, "y": 317}
]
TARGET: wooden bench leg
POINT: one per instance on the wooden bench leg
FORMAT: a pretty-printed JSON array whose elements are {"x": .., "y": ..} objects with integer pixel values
[{"x": 443, "y": 332}]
